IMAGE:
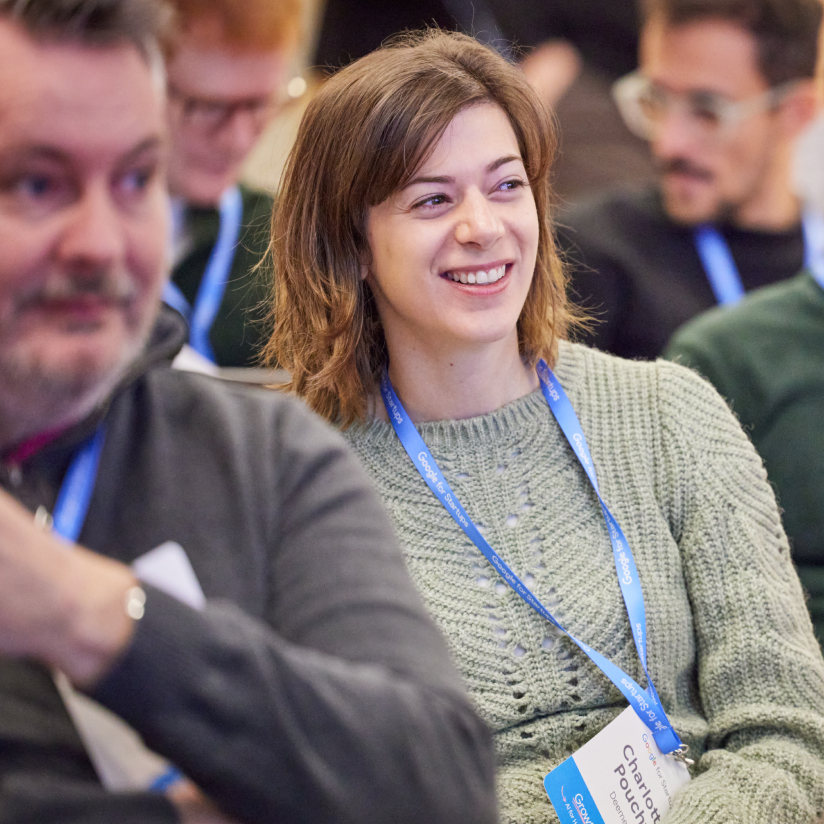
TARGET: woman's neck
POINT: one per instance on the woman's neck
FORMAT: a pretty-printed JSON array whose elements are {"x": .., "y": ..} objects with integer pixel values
[{"x": 463, "y": 384}]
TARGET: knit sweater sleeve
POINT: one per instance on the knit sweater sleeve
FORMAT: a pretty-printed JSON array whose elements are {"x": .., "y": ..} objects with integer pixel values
[{"x": 760, "y": 671}]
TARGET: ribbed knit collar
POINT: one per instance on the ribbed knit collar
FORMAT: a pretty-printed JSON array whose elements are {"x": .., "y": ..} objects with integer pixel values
[{"x": 520, "y": 417}]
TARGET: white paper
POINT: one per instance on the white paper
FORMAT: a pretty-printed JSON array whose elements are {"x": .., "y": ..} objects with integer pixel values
[
  {"x": 190, "y": 360},
  {"x": 168, "y": 568}
]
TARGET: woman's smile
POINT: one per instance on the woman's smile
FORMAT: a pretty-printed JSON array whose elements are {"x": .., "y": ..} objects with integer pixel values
[{"x": 477, "y": 275}]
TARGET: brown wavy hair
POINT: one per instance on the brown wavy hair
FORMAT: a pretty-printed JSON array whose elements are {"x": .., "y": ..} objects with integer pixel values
[{"x": 364, "y": 135}]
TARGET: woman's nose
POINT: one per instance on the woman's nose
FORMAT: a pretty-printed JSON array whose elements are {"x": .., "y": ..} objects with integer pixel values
[{"x": 478, "y": 222}]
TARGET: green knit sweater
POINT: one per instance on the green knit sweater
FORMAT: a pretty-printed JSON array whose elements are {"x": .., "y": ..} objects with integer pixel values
[{"x": 730, "y": 643}]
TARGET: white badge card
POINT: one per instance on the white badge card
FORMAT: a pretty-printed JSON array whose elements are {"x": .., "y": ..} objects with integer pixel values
[{"x": 618, "y": 777}]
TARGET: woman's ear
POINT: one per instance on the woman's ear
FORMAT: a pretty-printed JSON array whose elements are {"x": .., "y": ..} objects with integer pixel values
[{"x": 364, "y": 271}]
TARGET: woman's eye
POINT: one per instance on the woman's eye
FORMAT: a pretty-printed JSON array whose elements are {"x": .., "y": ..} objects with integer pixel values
[
  {"x": 432, "y": 200},
  {"x": 512, "y": 185}
]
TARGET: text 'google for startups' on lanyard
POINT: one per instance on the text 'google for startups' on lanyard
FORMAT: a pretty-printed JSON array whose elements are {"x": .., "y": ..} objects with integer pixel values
[
  {"x": 212, "y": 287},
  {"x": 719, "y": 265},
  {"x": 645, "y": 702},
  {"x": 70, "y": 512}
]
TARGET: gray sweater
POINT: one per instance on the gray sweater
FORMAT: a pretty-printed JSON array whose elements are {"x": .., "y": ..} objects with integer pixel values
[
  {"x": 730, "y": 643},
  {"x": 312, "y": 687}
]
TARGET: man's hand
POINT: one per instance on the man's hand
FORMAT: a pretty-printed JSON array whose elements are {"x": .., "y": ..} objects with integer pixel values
[{"x": 59, "y": 603}]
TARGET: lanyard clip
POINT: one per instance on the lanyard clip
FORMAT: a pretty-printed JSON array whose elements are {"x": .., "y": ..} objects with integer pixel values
[{"x": 681, "y": 755}]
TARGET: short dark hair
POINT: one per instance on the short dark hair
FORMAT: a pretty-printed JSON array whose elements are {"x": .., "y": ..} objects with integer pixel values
[
  {"x": 142, "y": 23},
  {"x": 786, "y": 31},
  {"x": 363, "y": 136}
]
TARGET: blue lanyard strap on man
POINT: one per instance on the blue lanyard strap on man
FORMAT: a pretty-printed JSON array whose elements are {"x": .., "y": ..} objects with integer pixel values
[
  {"x": 645, "y": 702},
  {"x": 70, "y": 512},
  {"x": 215, "y": 277},
  {"x": 76, "y": 490},
  {"x": 719, "y": 264}
]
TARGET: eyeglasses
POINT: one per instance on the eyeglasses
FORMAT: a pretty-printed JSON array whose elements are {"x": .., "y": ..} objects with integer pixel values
[
  {"x": 644, "y": 105},
  {"x": 211, "y": 115}
]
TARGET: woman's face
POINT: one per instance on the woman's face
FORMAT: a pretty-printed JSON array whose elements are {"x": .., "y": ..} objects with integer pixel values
[{"x": 453, "y": 252}]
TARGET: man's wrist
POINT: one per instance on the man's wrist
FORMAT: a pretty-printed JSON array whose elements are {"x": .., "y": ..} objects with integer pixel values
[{"x": 103, "y": 601}]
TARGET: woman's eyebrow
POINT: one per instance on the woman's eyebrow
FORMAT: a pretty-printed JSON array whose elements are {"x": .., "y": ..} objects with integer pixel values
[
  {"x": 501, "y": 161},
  {"x": 447, "y": 179}
]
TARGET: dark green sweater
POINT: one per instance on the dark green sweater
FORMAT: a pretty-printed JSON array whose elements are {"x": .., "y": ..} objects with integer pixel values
[
  {"x": 240, "y": 327},
  {"x": 766, "y": 357}
]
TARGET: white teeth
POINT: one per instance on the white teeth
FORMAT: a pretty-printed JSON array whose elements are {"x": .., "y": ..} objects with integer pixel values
[{"x": 480, "y": 276}]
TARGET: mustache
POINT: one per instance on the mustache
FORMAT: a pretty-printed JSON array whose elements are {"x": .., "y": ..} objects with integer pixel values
[
  {"x": 110, "y": 286},
  {"x": 682, "y": 166}
]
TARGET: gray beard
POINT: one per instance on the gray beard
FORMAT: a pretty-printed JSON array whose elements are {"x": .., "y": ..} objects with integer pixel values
[{"x": 35, "y": 400}]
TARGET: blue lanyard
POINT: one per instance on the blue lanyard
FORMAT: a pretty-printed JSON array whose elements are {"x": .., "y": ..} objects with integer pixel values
[
  {"x": 816, "y": 262},
  {"x": 215, "y": 277},
  {"x": 719, "y": 264},
  {"x": 76, "y": 490},
  {"x": 817, "y": 269},
  {"x": 645, "y": 702},
  {"x": 69, "y": 515}
]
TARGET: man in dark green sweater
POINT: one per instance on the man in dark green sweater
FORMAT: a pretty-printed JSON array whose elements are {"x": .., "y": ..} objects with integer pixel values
[
  {"x": 766, "y": 357},
  {"x": 225, "y": 72}
]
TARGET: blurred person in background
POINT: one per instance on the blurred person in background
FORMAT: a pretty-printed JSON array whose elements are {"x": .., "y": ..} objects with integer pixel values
[
  {"x": 227, "y": 71},
  {"x": 723, "y": 89},
  {"x": 766, "y": 357}
]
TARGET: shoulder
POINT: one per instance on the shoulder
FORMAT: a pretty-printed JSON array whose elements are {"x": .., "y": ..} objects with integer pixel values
[
  {"x": 256, "y": 201},
  {"x": 597, "y": 373},
  {"x": 783, "y": 318},
  {"x": 257, "y": 218},
  {"x": 618, "y": 209},
  {"x": 622, "y": 392},
  {"x": 202, "y": 413},
  {"x": 655, "y": 426},
  {"x": 771, "y": 310}
]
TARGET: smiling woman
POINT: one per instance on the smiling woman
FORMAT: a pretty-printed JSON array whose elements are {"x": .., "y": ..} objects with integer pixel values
[
  {"x": 377, "y": 137},
  {"x": 539, "y": 488}
]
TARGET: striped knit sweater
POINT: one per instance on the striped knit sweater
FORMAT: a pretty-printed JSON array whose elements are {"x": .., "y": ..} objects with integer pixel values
[{"x": 730, "y": 643}]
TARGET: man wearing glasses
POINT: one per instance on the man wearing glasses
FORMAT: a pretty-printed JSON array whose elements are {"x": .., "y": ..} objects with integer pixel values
[
  {"x": 723, "y": 90},
  {"x": 226, "y": 72}
]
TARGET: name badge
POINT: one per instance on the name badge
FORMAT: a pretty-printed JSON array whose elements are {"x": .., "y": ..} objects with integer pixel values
[{"x": 618, "y": 777}]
